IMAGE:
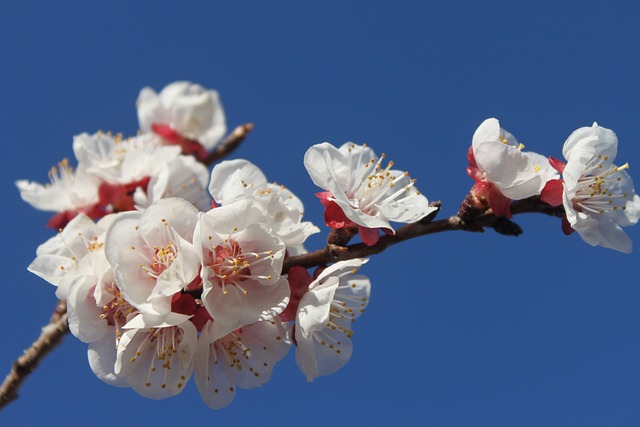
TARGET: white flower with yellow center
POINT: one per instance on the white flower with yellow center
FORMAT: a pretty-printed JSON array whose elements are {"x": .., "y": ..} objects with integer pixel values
[
  {"x": 241, "y": 263},
  {"x": 71, "y": 253},
  {"x": 502, "y": 170},
  {"x": 325, "y": 313},
  {"x": 364, "y": 191},
  {"x": 119, "y": 160},
  {"x": 157, "y": 362},
  {"x": 243, "y": 358},
  {"x": 68, "y": 189},
  {"x": 598, "y": 196},
  {"x": 153, "y": 256}
]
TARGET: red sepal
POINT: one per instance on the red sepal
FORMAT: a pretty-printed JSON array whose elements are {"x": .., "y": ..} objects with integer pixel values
[
  {"x": 558, "y": 165},
  {"x": 471, "y": 158},
  {"x": 566, "y": 226},
  {"x": 499, "y": 203},
  {"x": 334, "y": 217},
  {"x": 552, "y": 192},
  {"x": 189, "y": 146},
  {"x": 369, "y": 236}
]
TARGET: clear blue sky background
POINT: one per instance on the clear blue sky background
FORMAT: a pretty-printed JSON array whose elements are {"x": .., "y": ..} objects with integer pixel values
[{"x": 462, "y": 329}]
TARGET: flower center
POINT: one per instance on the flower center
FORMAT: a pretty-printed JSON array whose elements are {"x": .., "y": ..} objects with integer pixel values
[
  {"x": 371, "y": 184},
  {"x": 162, "y": 258},
  {"x": 597, "y": 192},
  {"x": 163, "y": 344},
  {"x": 232, "y": 265}
]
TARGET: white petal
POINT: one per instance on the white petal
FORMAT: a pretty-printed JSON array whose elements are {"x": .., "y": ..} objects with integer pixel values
[
  {"x": 604, "y": 141},
  {"x": 152, "y": 369},
  {"x": 84, "y": 315},
  {"x": 102, "y": 358},
  {"x": 232, "y": 308}
]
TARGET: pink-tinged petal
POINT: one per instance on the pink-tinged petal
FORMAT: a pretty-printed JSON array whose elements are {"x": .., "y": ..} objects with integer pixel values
[
  {"x": 552, "y": 192},
  {"x": 566, "y": 226},
  {"x": 334, "y": 216},
  {"x": 558, "y": 165},
  {"x": 369, "y": 236}
]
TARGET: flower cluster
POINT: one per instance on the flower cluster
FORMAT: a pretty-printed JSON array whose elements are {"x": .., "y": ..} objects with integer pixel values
[
  {"x": 171, "y": 272},
  {"x": 116, "y": 174}
]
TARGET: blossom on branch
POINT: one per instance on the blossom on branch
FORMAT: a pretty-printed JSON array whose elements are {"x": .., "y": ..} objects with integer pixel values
[
  {"x": 502, "y": 171},
  {"x": 184, "y": 114},
  {"x": 598, "y": 196},
  {"x": 360, "y": 191},
  {"x": 241, "y": 263},
  {"x": 329, "y": 305}
]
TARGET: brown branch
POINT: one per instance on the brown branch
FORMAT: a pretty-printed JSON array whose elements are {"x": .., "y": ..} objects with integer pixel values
[
  {"x": 333, "y": 253},
  {"x": 50, "y": 337},
  {"x": 232, "y": 142}
]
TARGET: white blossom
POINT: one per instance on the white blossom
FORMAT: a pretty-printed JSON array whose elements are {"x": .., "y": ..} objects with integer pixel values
[
  {"x": 118, "y": 160},
  {"x": 157, "y": 362},
  {"x": 241, "y": 264},
  {"x": 366, "y": 193},
  {"x": 152, "y": 255},
  {"x": 242, "y": 358},
  {"x": 193, "y": 112},
  {"x": 598, "y": 196},
  {"x": 325, "y": 313},
  {"x": 71, "y": 253},
  {"x": 69, "y": 192}
]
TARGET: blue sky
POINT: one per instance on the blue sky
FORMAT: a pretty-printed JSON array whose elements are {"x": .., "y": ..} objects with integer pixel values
[{"x": 462, "y": 329}]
